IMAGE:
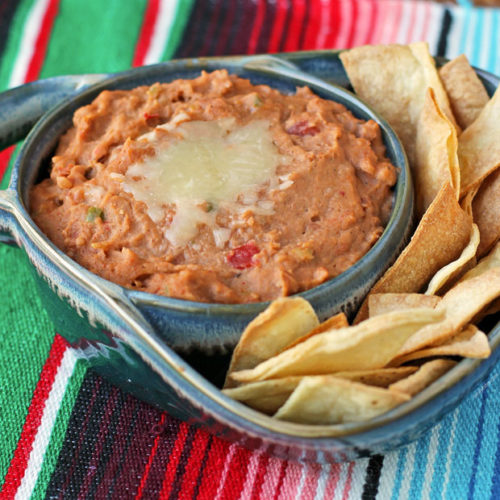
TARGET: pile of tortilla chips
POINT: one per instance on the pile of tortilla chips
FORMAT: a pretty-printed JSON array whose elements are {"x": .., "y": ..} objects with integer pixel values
[{"x": 423, "y": 312}]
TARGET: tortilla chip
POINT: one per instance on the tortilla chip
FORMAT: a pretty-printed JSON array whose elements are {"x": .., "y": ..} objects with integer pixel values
[
  {"x": 393, "y": 80},
  {"x": 330, "y": 400},
  {"x": 469, "y": 343},
  {"x": 479, "y": 147},
  {"x": 453, "y": 269},
  {"x": 491, "y": 261},
  {"x": 285, "y": 320},
  {"x": 382, "y": 303},
  {"x": 436, "y": 160},
  {"x": 266, "y": 396},
  {"x": 464, "y": 301},
  {"x": 371, "y": 344},
  {"x": 428, "y": 373},
  {"x": 333, "y": 323},
  {"x": 381, "y": 377},
  {"x": 486, "y": 212},
  {"x": 465, "y": 91},
  {"x": 439, "y": 239}
]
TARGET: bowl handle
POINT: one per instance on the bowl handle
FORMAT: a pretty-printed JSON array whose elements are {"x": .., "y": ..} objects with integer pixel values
[{"x": 21, "y": 107}]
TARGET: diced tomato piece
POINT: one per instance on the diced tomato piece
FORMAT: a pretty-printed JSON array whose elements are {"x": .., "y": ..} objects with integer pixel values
[
  {"x": 148, "y": 116},
  {"x": 303, "y": 128},
  {"x": 242, "y": 257}
]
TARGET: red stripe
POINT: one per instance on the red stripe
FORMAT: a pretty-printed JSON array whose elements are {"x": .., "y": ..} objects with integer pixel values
[
  {"x": 352, "y": 31},
  {"x": 173, "y": 463},
  {"x": 298, "y": 11},
  {"x": 370, "y": 33},
  {"x": 348, "y": 483},
  {"x": 146, "y": 34},
  {"x": 336, "y": 19},
  {"x": 20, "y": 460},
  {"x": 4, "y": 160},
  {"x": 200, "y": 443},
  {"x": 257, "y": 27},
  {"x": 278, "y": 25},
  {"x": 42, "y": 41},
  {"x": 213, "y": 469},
  {"x": 236, "y": 474},
  {"x": 224, "y": 41},
  {"x": 145, "y": 474}
]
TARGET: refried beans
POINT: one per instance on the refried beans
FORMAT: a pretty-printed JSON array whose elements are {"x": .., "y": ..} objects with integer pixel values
[{"x": 216, "y": 190}]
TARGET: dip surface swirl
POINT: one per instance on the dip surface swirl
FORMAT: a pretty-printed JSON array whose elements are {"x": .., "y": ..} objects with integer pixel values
[{"x": 216, "y": 190}]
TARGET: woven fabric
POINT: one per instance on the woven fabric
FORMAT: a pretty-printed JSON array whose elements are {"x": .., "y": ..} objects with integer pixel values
[{"x": 67, "y": 433}]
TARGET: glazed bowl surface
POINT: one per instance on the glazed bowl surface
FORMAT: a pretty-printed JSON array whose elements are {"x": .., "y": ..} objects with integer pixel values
[{"x": 173, "y": 353}]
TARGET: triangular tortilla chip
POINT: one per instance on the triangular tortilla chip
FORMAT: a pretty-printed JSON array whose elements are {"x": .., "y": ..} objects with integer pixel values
[
  {"x": 393, "y": 80},
  {"x": 436, "y": 160},
  {"x": 465, "y": 91},
  {"x": 479, "y": 147},
  {"x": 285, "y": 320},
  {"x": 331, "y": 400},
  {"x": 439, "y": 239},
  {"x": 371, "y": 344},
  {"x": 428, "y": 373}
]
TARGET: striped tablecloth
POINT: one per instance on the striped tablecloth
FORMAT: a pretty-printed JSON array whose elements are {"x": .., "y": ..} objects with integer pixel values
[{"x": 67, "y": 433}]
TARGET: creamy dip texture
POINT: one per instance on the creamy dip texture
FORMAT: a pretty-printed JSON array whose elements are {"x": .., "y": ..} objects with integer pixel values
[{"x": 216, "y": 190}]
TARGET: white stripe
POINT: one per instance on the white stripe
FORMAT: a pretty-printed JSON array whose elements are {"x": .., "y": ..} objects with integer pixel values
[
  {"x": 44, "y": 431},
  {"x": 408, "y": 475},
  {"x": 32, "y": 28},
  {"x": 388, "y": 475},
  {"x": 227, "y": 463},
  {"x": 326, "y": 470},
  {"x": 390, "y": 14},
  {"x": 161, "y": 31},
  {"x": 339, "y": 489},
  {"x": 431, "y": 459},
  {"x": 404, "y": 23},
  {"x": 434, "y": 28},
  {"x": 253, "y": 467},
  {"x": 358, "y": 478},
  {"x": 449, "y": 451}
]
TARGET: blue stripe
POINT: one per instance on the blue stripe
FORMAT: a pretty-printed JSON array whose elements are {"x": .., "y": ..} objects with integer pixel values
[
  {"x": 479, "y": 439},
  {"x": 445, "y": 437},
  {"x": 399, "y": 472},
  {"x": 465, "y": 439},
  {"x": 477, "y": 42},
  {"x": 466, "y": 14},
  {"x": 419, "y": 466}
]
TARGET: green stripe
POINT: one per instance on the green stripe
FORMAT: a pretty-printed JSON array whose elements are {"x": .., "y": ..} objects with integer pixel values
[
  {"x": 182, "y": 13},
  {"x": 59, "y": 431},
  {"x": 24, "y": 325},
  {"x": 13, "y": 42},
  {"x": 93, "y": 37}
]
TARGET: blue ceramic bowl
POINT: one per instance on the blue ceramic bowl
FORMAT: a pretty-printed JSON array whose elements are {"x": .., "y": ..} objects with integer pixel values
[{"x": 170, "y": 352}]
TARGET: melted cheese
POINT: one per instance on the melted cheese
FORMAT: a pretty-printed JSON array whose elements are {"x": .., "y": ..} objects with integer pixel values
[{"x": 209, "y": 164}]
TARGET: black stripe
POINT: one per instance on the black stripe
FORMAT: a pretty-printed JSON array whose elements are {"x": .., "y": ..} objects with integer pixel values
[
  {"x": 370, "y": 488},
  {"x": 202, "y": 468},
  {"x": 194, "y": 34},
  {"x": 130, "y": 433},
  {"x": 267, "y": 27},
  {"x": 445, "y": 31},
  {"x": 7, "y": 10},
  {"x": 238, "y": 34},
  {"x": 219, "y": 21},
  {"x": 303, "y": 29},
  {"x": 109, "y": 442}
]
